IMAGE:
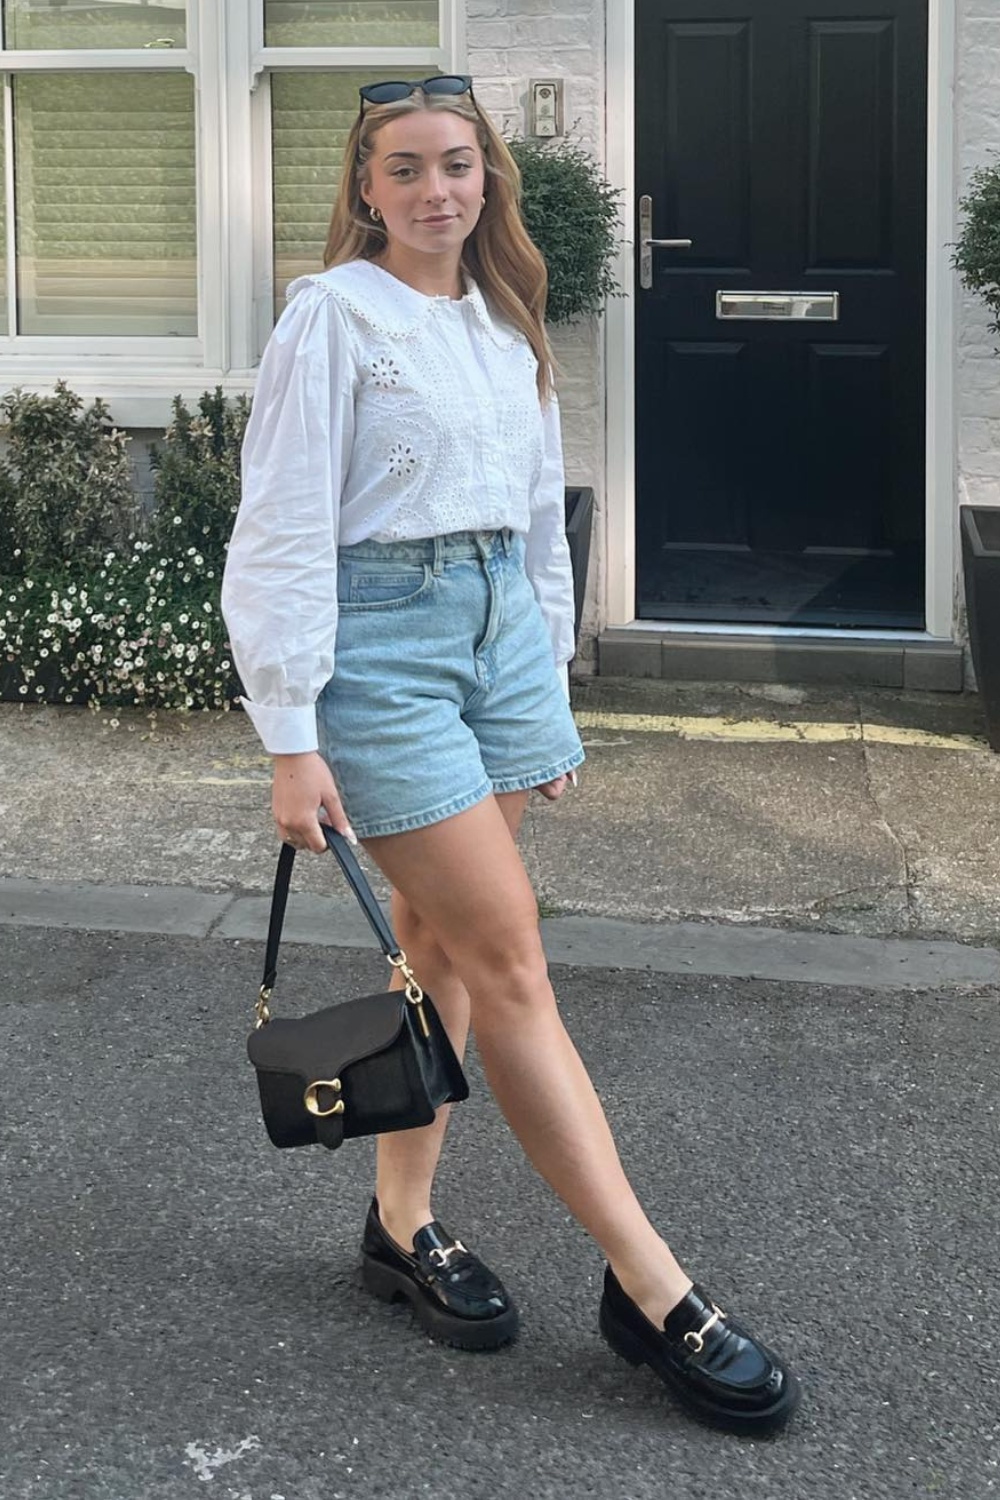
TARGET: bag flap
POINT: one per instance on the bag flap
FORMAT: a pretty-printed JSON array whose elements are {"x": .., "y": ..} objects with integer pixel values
[{"x": 324, "y": 1044}]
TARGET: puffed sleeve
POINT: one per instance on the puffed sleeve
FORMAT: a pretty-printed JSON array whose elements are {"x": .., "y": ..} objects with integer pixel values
[
  {"x": 547, "y": 561},
  {"x": 279, "y": 590}
]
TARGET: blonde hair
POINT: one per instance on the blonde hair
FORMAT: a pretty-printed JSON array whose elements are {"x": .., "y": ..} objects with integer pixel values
[{"x": 498, "y": 254}]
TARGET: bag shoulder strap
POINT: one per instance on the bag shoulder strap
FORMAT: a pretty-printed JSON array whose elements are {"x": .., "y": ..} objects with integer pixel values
[{"x": 279, "y": 900}]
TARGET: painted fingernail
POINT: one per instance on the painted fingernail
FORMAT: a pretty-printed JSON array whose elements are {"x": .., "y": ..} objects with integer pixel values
[
  {"x": 351, "y": 836},
  {"x": 574, "y": 779}
]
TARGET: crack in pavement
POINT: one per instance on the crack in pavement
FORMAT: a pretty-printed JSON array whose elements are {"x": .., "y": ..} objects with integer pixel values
[{"x": 909, "y": 883}]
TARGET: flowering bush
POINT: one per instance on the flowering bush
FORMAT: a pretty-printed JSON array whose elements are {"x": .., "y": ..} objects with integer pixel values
[
  {"x": 142, "y": 630},
  {"x": 139, "y": 624},
  {"x": 197, "y": 477}
]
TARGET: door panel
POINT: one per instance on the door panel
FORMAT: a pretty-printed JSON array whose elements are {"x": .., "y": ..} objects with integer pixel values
[{"x": 780, "y": 463}]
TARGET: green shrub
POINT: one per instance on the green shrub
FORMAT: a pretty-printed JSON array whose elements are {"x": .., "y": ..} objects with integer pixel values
[
  {"x": 197, "y": 477},
  {"x": 136, "y": 620},
  {"x": 66, "y": 489},
  {"x": 143, "y": 629},
  {"x": 572, "y": 214},
  {"x": 977, "y": 253}
]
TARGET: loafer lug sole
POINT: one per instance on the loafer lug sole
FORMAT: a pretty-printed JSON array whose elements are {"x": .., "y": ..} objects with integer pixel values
[{"x": 461, "y": 1333}]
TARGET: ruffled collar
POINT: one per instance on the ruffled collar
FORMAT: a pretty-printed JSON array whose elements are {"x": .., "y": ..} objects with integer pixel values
[{"x": 392, "y": 308}]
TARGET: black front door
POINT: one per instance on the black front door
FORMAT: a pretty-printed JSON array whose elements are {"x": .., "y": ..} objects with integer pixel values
[{"x": 780, "y": 438}]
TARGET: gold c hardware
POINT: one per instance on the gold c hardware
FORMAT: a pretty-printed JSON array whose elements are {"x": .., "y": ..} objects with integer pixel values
[
  {"x": 262, "y": 1009},
  {"x": 311, "y": 1097},
  {"x": 696, "y": 1341},
  {"x": 412, "y": 990}
]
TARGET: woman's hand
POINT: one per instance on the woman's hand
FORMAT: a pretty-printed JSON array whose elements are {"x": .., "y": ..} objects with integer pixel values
[
  {"x": 303, "y": 796},
  {"x": 553, "y": 790}
]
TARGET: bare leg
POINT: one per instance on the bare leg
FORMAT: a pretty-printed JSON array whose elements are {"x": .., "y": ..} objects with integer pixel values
[
  {"x": 465, "y": 878},
  {"x": 407, "y": 1159}
]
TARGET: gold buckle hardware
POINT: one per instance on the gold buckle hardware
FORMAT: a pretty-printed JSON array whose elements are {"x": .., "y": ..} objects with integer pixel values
[
  {"x": 311, "y": 1097},
  {"x": 444, "y": 1254},
  {"x": 696, "y": 1341},
  {"x": 412, "y": 990},
  {"x": 262, "y": 1010}
]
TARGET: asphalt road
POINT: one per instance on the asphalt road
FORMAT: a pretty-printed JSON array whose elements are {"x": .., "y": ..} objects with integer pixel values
[{"x": 183, "y": 1315}]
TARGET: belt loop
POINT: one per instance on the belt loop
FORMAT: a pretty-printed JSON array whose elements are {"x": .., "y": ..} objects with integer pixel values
[
  {"x": 438, "y": 556},
  {"x": 507, "y": 537}
]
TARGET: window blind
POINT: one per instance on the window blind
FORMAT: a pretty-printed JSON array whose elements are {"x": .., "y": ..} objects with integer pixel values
[
  {"x": 52, "y": 24},
  {"x": 105, "y": 203},
  {"x": 311, "y": 115},
  {"x": 351, "y": 23}
]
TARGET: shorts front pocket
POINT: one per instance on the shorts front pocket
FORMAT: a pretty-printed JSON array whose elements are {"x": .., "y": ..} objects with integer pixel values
[{"x": 363, "y": 584}]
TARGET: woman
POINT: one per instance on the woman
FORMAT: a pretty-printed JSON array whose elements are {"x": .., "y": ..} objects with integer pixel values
[{"x": 399, "y": 598}]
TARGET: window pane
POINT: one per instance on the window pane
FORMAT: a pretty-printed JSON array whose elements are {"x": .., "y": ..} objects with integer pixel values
[
  {"x": 102, "y": 23},
  {"x": 351, "y": 23},
  {"x": 105, "y": 202},
  {"x": 311, "y": 114}
]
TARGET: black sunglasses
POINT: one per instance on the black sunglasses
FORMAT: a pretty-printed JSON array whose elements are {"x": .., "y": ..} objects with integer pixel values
[{"x": 393, "y": 90}]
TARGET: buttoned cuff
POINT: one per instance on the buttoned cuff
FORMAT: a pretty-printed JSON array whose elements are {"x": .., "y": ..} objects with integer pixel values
[
  {"x": 284, "y": 731},
  {"x": 564, "y": 678}
]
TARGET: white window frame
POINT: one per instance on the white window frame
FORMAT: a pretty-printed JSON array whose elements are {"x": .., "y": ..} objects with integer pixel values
[{"x": 139, "y": 376}]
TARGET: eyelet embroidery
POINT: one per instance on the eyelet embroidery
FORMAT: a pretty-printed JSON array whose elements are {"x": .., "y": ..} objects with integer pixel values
[
  {"x": 402, "y": 460},
  {"x": 423, "y": 426},
  {"x": 385, "y": 373}
]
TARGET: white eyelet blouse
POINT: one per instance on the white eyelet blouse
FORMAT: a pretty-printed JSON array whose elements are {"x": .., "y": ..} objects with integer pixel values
[{"x": 380, "y": 413}]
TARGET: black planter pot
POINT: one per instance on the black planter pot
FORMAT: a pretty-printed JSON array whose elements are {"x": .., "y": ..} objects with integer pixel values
[
  {"x": 579, "y": 526},
  {"x": 48, "y": 676},
  {"x": 980, "y": 529}
]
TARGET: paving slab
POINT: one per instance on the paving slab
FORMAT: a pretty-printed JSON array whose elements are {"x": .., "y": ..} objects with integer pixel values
[
  {"x": 110, "y": 908},
  {"x": 181, "y": 1311},
  {"x": 852, "y": 836},
  {"x": 951, "y": 842},
  {"x": 179, "y": 800},
  {"x": 768, "y": 953},
  {"x": 330, "y": 922},
  {"x": 668, "y": 828}
]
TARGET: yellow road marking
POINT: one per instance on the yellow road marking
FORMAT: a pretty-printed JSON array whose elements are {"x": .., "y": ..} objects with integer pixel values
[
  {"x": 261, "y": 780},
  {"x": 692, "y": 727}
]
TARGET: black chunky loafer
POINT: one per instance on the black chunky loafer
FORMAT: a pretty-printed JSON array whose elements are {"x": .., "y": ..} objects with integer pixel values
[
  {"x": 455, "y": 1297},
  {"x": 713, "y": 1366}
]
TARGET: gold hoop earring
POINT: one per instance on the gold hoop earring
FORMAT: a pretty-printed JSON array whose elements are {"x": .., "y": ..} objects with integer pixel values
[{"x": 374, "y": 213}]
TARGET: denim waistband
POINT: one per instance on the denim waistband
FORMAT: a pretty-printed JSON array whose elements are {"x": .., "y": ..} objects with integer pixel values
[{"x": 435, "y": 549}]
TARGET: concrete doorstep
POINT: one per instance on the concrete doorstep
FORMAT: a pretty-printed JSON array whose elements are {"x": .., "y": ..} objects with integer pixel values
[{"x": 701, "y": 948}]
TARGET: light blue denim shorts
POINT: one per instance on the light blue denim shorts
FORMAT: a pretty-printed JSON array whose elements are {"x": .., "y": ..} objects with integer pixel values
[{"x": 444, "y": 690}]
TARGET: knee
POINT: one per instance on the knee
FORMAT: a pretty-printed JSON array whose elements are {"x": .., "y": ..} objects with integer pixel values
[
  {"x": 501, "y": 963},
  {"x": 507, "y": 971}
]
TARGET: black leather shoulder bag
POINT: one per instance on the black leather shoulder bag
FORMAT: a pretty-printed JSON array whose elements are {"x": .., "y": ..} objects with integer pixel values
[{"x": 378, "y": 1063}]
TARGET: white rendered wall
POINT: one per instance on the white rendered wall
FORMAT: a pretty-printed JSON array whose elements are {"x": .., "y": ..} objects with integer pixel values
[
  {"x": 509, "y": 42},
  {"x": 977, "y": 141}
]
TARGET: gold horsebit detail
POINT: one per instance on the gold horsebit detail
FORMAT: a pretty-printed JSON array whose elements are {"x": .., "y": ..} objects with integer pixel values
[
  {"x": 695, "y": 1341},
  {"x": 443, "y": 1255}
]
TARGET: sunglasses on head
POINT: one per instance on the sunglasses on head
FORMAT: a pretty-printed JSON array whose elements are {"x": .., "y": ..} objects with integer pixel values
[{"x": 391, "y": 91}]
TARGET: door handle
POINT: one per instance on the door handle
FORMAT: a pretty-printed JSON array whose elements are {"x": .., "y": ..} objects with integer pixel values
[{"x": 647, "y": 243}]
